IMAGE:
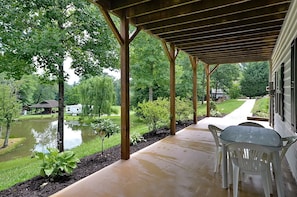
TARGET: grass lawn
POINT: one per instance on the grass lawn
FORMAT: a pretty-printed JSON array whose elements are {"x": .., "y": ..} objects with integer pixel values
[
  {"x": 261, "y": 107},
  {"x": 12, "y": 144},
  {"x": 19, "y": 170},
  {"x": 224, "y": 108}
]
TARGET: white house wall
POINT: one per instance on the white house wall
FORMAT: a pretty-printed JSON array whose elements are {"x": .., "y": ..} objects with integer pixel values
[{"x": 282, "y": 54}]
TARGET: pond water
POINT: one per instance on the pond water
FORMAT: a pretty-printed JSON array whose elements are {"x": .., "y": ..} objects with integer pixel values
[{"x": 42, "y": 133}]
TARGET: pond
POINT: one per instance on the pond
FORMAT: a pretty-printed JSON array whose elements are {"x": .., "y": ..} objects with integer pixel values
[{"x": 42, "y": 133}]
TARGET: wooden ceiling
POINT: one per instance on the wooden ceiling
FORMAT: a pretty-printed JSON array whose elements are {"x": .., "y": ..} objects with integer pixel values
[{"x": 214, "y": 31}]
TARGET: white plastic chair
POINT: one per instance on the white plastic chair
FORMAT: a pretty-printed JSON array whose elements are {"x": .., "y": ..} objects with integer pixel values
[
  {"x": 287, "y": 142},
  {"x": 250, "y": 159},
  {"x": 254, "y": 124},
  {"x": 215, "y": 131}
]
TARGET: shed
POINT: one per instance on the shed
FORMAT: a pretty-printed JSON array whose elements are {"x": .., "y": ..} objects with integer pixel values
[{"x": 47, "y": 105}]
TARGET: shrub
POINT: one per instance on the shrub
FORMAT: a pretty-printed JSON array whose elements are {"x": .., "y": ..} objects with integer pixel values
[
  {"x": 56, "y": 163},
  {"x": 136, "y": 138},
  {"x": 183, "y": 108},
  {"x": 234, "y": 91},
  {"x": 154, "y": 113},
  {"x": 213, "y": 106},
  {"x": 105, "y": 128}
]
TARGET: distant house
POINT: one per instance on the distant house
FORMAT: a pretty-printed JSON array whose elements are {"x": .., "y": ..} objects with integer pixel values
[
  {"x": 74, "y": 109},
  {"x": 46, "y": 105},
  {"x": 217, "y": 94}
]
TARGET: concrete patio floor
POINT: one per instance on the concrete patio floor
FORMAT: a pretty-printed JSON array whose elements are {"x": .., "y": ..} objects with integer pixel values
[{"x": 179, "y": 165}]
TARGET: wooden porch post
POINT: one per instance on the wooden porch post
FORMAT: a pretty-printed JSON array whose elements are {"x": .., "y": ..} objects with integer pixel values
[
  {"x": 124, "y": 40},
  {"x": 206, "y": 66},
  {"x": 125, "y": 101},
  {"x": 171, "y": 55},
  {"x": 193, "y": 61}
]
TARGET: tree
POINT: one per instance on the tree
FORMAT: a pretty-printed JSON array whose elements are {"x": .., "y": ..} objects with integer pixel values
[
  {"x": 147, "y": 56},
  {"x": 184, "y": 81},
  {"x": 71, "y": 94},
  {"x": 54, "y": 30},
  {"x": 14, "y": 61},
  {"x": 224, "y": 76},
  {"x": 28, "y": 85},
  {"x": 255, "y": 79},
  {"x": 234, "y": 91},
  {"x": 45, "y": 91},
  {"x": 97, "y": 95},
  {"x": 10, "y": 108}
]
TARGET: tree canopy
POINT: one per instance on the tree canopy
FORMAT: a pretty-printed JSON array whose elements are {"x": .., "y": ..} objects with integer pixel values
[
  {"x": 149, "y": 67},
  {"x": 224, "y": 75},
  {"x": 255, "y": 79},
  {"x": 46, "y": 32},
  {"x": 97, "y": 95}
]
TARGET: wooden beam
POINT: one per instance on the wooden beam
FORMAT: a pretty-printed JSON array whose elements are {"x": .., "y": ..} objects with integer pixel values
[
  {"x": 111, "y": 25},
  {"x": 171, "y": 55},
  {"x": 123, "y": 4},
  {"x": 210, "y": 17},
  {"x": 212, "y": 70},
  {"x": 156, "y": 6},
  {"x": 194, "y": 62},
  {"x": 186, "y": 10},
  {"x": 207, "y": 72},
  {"x": 125, "y": 99},
  {"x": 134, "y": 34}
]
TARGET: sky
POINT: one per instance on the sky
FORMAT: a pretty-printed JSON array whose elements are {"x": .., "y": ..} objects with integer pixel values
[{"x": 73, "y": 78}]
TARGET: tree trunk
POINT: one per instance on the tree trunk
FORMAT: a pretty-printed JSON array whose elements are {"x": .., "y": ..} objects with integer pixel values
[
  {"x": 151, "y": 94},
  {"x": 60, "y": 132},
  {"x": 0, "y": 131},
  {"x": 5, "y": 144},
  {"x": 215, "y": 95}
]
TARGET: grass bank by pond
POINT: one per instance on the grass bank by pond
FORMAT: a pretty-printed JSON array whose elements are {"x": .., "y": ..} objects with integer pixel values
[
  {"x": 12, "y": 144},
  {"x": 22, "y": 169}
]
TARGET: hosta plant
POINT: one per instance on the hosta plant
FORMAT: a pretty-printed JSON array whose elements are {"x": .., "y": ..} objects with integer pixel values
[
  {"x": 136, "y": 138},
  {"x": 57, "y": 163}
]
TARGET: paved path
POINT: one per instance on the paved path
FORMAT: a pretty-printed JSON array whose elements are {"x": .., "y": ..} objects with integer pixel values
[
  {"x": 241, "y": 113},
  {"x": 234, "y": 118}
]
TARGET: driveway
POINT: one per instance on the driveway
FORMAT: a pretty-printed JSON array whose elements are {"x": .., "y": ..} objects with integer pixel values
[{"x": 234, "y": 118}]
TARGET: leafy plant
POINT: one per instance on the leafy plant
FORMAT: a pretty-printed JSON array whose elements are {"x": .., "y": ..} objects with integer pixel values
[
  {"x": 154, "y": 113},
  {"x": 136, "y": 138},
  {"x": 56, "y": 163},
  {"x": 183, "y": 108},
  {"x": 105, "y": 128}
]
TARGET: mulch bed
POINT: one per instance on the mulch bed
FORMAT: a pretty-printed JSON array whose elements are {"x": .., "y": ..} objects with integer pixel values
[{"x": 40, "y": 186}]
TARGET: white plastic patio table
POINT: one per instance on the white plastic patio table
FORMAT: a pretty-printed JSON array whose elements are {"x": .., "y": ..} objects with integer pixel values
[{"x": 256, "y": 135}]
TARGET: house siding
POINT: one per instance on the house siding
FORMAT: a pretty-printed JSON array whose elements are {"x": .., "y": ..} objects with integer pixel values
[{"x": 282, "y": 54}]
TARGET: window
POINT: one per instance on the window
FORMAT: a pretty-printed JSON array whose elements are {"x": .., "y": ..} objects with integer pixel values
[
  {"x": 293, "y": 83},
  {"x": 279, "y": 91}
]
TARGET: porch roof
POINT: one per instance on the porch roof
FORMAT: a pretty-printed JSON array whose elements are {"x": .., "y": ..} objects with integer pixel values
[{"x": 215, "y": 32}]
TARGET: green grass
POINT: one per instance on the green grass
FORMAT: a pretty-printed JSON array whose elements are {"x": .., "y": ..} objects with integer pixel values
[
  {"x": 225, "y": 107},
  {"x": 19, "y": 170},
  {"x": 229, "y": 106},
  {"x": 39, "y": 116},
  {"x": 261, "y": 107},
  {"x": 12, "y": 144}
]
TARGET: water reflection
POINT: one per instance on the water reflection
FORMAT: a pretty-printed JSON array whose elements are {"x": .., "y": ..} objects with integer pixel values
[
  {"x": 48, "y": 137},
  {"x": 41, "y": 134}
]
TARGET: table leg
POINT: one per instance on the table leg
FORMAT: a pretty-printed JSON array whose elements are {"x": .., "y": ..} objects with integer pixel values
[
  {"x": 224, "y": 167},
  {"x": 278, "y": 174}
]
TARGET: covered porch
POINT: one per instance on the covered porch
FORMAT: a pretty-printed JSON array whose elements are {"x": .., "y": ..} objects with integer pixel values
[{"x": 178, "y": 165}]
